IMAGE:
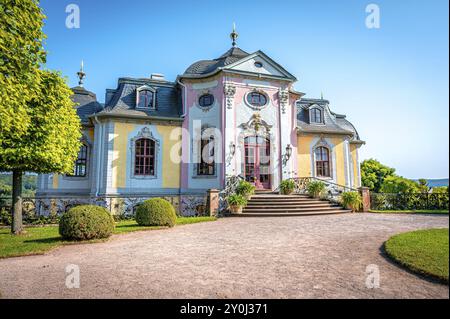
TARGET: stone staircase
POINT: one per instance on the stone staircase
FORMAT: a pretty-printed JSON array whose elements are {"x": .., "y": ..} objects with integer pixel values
[{"x": 272, "y": 204}]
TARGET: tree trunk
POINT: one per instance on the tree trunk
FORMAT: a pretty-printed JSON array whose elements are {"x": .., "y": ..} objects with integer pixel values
[{"x": 16, "y": 226}]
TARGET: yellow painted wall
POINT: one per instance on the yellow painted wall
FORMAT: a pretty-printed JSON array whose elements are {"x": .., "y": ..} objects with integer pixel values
[
  {"x": 340, "y": 160},
  {"x": 353, "y": 150},
  {"x": 304, "y": 156},
  {"x": 55, "y": 181},
  {"x": 90, "y": 133},
  {"x": 171, "y": 169},
  {"x": 119, "y": 161}
]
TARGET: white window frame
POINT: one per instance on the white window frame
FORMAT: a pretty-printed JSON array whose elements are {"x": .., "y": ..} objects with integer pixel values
[{"x": 146, "y": 88}]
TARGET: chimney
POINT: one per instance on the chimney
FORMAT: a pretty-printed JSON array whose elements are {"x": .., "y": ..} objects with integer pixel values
[{"x": 157, "y": 77}]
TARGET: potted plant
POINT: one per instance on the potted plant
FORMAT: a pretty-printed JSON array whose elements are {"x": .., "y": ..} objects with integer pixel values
[
  {"x": 245, "y": 189},
  {"x": 236, "y": 202},
  {"x": 287, "y": 187},
  {"x": 315, "y": 189},
  {"x": 351, "y": 200}
]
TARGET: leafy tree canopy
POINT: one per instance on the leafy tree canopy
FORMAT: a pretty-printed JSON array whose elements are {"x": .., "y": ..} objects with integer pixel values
[
  {"x": 39, "y": 128},
  {"x": 373, "y": 174},
  {"x": 440, "y": 190},
  {"x": 51, "y": 143},
  {"x": 398, "y": 184},
  {"x": 21, "y": 53}
]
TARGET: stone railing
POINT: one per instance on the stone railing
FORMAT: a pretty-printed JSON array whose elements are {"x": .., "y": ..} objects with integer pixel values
[{"x": 332, "y": 190}]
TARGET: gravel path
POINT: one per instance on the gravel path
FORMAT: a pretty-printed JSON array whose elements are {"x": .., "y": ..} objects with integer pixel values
[{"x": 292, "y": 257}]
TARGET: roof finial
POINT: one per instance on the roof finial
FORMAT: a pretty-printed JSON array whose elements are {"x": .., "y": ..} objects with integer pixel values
[
  {"x": 81, "y": 74},
  {"x": 321, "y": 95},
  {"x": 234, "y": 35}
]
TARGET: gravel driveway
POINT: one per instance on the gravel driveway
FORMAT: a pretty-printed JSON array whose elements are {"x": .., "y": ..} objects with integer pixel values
[{"x": 292, "y": 257}]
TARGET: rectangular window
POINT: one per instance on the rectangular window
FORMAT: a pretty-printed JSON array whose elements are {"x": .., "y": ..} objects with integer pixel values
[
  {"x": 207, "y": 165},
  {"x": 144, "y": 162},
  {"x": 80, "y": 167}
]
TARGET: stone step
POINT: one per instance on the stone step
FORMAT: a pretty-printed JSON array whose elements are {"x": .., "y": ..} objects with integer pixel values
[
  {"x": 279, "y": 196},
  {"x": 291, "y": 209},
  {"x": 286, "y": 201},
  {"x": 292, "y": 205},
  {"x": 291, "y": 214}
]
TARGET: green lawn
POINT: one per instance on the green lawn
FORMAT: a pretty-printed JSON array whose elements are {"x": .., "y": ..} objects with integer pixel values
[
  {"x": 39, "y": 240},
  {"x": 423, "y": 251},
  {"x": 409, "y": 211}
]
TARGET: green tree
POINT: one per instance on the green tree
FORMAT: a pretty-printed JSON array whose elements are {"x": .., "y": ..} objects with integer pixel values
[
  {"x": 423, "y": 186},
  {"x": 399, "y": 185},
  {"x": 440, "y": 190},
  {"x": 373, "y": 174},
  {"x": 40, "y": 130}
]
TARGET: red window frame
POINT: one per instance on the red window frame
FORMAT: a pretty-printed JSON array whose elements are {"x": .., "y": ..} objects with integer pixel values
[
  {"x": 322, "y": 155},
  {"x": 144, "y": 157}
]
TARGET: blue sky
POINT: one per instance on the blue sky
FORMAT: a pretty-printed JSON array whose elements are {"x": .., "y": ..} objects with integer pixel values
[{"x": 391, "y": 82}]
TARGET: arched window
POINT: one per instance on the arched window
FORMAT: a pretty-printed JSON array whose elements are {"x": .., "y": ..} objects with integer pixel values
[
  {"x": 322, "y": 156},
  {"x": 256, "y": 99},
  {"x": 144, "y": 163},
  {"x": 145, "y": 99},
  {"x": 207, "y": 165},
  {"x": 316, "y": 115},
  {"x": 80, "y": 168}
]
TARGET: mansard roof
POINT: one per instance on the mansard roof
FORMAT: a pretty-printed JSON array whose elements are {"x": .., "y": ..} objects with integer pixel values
[
  {"x": 230, "y": 61},
  {"x": 85, "y": 102},
  {"x": 333, "y": 123},
  {"x": 210, "y": 66},
  {"x": 122, "y": 101}
]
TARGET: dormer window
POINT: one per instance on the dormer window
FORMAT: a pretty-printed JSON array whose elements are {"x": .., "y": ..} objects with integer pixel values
[
  {"x": 316, "y": 115},
  {"x": 145, "y": 98}
]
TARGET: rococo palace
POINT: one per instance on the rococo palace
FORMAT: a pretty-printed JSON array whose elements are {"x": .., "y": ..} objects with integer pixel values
[{"x": 235, "y": 115}]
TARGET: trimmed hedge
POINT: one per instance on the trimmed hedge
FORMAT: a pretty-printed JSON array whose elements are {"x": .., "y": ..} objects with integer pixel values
[
  {"x": 86, "y": 222},
  {"x": 156, "y": 212}
]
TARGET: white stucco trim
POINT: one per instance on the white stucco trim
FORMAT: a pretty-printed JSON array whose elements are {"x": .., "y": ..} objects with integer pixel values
[{"x": 325, "y": 142}]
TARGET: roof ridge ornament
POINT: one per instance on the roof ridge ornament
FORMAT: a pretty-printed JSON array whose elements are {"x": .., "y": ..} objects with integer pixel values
[
  {"x": 81, "y": 74},
  {"x": 234, "y": 35}
]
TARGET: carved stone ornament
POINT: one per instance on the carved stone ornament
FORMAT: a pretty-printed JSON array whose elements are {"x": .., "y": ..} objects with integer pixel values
[
  {"x": 284, "y": 99},
  {"x": 230, "y": 91}
]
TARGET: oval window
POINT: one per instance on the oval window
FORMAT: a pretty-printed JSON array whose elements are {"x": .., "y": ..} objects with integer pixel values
[
  {"x": 258, "y": 64},
  {"x": 256, "y": 99},
  {"x": 206, "y": 100}
]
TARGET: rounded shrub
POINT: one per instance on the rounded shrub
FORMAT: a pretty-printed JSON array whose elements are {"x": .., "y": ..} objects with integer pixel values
[
  {"x": 156, "y": 212},
  {"x": 86, "y": 222}
]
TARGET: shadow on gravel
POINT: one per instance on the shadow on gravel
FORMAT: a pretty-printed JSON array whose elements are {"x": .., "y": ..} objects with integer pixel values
[{"x": 425, "y": 277}]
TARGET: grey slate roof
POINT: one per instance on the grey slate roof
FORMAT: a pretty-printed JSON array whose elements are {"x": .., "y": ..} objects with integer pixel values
[
  {"x": 123, "y": 100},
  {"x": 334, "y": 123},
  {"x": 86, "y": 103},
  {"x": 207, "y": 66}
]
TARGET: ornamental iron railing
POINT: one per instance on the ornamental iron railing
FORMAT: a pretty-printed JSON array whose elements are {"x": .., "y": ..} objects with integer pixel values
[
  {"x": 125, "y": 206},
  {"x": 231, "y": 183},
  {"x": 411, "y": 201}
]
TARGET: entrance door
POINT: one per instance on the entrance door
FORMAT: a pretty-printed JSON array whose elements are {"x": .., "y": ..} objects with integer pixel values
[{"x": 257, "y": 161}]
